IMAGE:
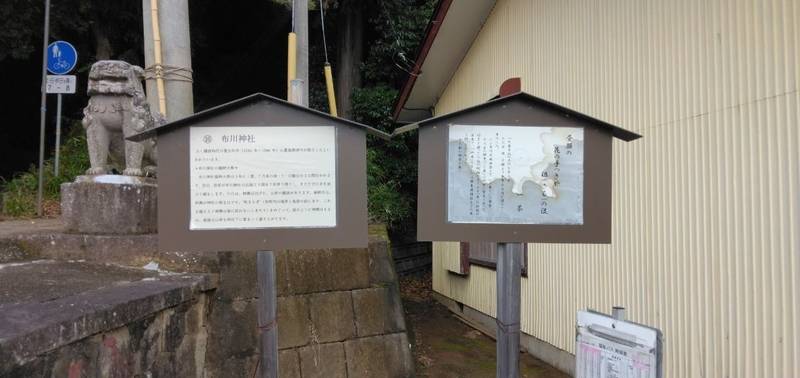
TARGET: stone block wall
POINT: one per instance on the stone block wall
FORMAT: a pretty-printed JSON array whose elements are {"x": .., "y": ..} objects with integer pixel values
[
  {"x": 354, "y": 332},
  {"x": 339, "y": 315},
  {"x": 339, "y": 310}
]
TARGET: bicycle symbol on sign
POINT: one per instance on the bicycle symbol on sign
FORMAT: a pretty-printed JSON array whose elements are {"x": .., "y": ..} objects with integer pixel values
[{"x": 61, "y": 57}]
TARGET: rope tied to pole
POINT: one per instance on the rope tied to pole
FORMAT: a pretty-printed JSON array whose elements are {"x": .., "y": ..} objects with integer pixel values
[{"x": 168, "y": 73}]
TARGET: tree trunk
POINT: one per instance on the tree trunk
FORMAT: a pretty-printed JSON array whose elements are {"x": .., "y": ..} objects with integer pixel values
[
  {"x": 103, "y": 49},
  {"x": 350, "y": 54}
]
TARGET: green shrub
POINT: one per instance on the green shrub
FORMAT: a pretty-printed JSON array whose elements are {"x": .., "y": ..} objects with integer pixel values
[
  {"x": 19, "y": 193},
  {"x": 391, "y": 165}
]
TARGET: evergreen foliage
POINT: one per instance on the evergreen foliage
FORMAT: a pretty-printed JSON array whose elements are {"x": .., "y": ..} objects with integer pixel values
[
  {"x": 237, "y": 49},
  {"x": 397, "y": 27}
]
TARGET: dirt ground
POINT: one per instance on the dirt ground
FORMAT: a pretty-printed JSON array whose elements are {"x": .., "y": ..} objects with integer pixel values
[{"x": 446, "y": 347}]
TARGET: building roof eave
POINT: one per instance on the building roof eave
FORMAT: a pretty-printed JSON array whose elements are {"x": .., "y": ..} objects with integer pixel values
[{"x": 451, "y": 31}]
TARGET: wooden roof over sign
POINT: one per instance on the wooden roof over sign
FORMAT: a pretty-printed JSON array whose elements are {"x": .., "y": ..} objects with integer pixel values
[
  {"x": 616, "y": 131},
  {"x": 245, "y": 101}
]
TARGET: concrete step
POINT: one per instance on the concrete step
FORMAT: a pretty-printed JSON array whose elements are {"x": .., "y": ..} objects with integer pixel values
[
  {"x": 12, "y": 234},
  {"x": 62, "y": 317}
]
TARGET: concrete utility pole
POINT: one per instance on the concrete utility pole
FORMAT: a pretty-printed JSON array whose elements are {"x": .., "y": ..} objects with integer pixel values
[
  {"x": 300, "y": 23},
  {"x": 43, "y": 107},
  {"x": 176, "y": 53}
]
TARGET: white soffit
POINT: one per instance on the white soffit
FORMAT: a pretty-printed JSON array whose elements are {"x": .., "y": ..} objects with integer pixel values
[{"x": 463, "y": 21}]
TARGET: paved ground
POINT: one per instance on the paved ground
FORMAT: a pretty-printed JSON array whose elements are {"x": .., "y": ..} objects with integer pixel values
[{"x": 446, "y": 347}]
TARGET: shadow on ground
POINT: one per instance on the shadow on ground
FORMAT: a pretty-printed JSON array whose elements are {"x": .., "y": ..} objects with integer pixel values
[{"x": 446, "y": 347}]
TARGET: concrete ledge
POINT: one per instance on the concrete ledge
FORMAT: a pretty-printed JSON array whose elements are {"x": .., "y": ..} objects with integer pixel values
[
  {"x": 122, "y": 249},
  {"x": 129, "y": 250},
  {"x": 32, "y": 325},
  {"x": 560, "y": 359}
]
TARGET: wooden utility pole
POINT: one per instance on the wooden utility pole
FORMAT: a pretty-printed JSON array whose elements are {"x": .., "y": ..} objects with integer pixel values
[{"x": 509, "y": 272}]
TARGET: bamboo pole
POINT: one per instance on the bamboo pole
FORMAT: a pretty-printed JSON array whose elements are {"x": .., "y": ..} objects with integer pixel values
[
  {"x": 331, "y": 93},
  {"x": 162, "y": 97},
  {"x": 291, "y": 64}
]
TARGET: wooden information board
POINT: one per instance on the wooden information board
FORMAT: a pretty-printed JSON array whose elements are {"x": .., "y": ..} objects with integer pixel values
[{"x": 260, "y": 173}]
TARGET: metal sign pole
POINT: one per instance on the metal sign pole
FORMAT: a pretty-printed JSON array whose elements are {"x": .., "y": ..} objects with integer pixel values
[
  {"x": 267, "y": 308},
  {"x": 509, "y": 272},
  {"x": 58, "y": 133},
  {"x": 43, "y": 107}
]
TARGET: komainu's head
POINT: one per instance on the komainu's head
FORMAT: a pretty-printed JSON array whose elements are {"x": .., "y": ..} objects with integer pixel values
[{"x": 115, "y": 77}]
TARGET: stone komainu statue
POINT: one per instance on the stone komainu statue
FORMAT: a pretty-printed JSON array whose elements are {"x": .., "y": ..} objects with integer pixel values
[{"x": 117, "y": 109}]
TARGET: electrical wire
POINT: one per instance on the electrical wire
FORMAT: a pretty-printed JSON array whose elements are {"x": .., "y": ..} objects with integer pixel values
[
  {"x": 322, "y": 22},
  {"x": 406, "y": 66},
  {"x": 391, "y": 26}
]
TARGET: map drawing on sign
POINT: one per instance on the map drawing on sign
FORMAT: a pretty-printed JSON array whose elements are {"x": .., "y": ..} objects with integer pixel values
[
  {"x": 515, "y": 174},
  {"x": 262, "y": 177}
]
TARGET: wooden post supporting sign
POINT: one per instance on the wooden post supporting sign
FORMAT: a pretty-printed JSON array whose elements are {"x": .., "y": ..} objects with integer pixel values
[
  {"x": 267, "y": 311},
  {"x": 509, "y": 272}
]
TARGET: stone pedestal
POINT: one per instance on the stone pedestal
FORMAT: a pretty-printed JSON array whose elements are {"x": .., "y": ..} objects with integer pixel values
[{"x": 110, "y": 205}]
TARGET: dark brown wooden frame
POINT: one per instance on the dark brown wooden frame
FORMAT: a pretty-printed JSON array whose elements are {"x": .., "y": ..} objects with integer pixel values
[
  {"x": 263, "y": 111},
  {"x": 432, "y": 221}
]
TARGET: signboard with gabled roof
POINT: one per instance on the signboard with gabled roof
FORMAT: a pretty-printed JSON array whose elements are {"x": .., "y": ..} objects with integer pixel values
[
  {"x": 515, "y": 169},
  {"x": 260, "y": 173}
]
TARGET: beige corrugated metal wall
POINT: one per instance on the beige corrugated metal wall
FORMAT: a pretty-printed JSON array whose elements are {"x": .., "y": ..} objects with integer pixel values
[{"x": 706, "y": 211}]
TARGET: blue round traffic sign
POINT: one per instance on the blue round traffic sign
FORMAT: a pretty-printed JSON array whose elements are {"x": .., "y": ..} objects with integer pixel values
[{"x": 61, "y": 57}]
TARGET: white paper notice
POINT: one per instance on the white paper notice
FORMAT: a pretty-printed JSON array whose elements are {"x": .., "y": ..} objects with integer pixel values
[{"x": 262, "y": 177}]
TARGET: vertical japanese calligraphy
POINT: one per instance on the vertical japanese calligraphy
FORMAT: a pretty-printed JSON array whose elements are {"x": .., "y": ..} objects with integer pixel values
[{"x": 262, "y": 177}]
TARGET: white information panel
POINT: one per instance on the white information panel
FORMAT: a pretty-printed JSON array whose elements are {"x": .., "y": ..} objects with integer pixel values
[
  {"x": 515, "y": 174},
  {"x": 64, "y": 84},
  {"x": 262, "y": 177},
  {"x": 610, "y": 348}
]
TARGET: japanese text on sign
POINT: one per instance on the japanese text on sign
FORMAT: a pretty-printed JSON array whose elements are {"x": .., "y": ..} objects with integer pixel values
[
  {"x": 60, "y": 84},
  {"x": 515, "y": 174},
  {"x": 262, "y": 177},
  {"x": 610, "y": 348}
]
